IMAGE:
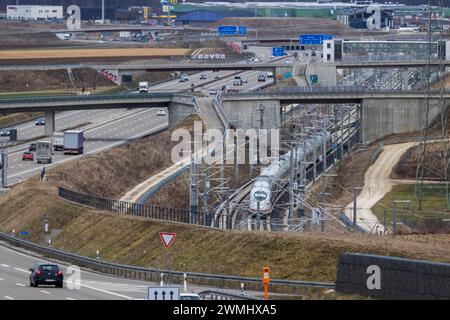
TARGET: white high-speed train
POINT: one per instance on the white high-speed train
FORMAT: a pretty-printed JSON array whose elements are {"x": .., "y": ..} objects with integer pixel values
[{"x": 275, "y": 175}]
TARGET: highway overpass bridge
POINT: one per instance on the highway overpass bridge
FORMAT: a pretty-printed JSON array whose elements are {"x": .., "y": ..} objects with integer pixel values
[{"x": 383, "y": 112}]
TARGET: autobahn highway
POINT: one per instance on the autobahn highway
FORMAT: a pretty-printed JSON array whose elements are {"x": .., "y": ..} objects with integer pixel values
[
  {"x": 105, "y": 129},
  {"x": 15, "y": 285}
]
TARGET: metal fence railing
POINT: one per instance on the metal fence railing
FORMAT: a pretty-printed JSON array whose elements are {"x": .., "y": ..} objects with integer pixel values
[{"x": 137, "y": 209}]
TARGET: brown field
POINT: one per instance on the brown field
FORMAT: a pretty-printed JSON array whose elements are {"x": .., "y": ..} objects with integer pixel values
[{"x": 91, "y": 53}]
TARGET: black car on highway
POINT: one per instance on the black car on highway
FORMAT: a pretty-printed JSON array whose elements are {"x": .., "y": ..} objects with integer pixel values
[{"x": 46, "y": 274}]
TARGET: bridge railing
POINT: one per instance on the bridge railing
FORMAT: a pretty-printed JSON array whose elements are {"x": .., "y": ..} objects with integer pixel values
[
  {"x": 99, "y": 97},
  {"x": 327, "y": 89}
]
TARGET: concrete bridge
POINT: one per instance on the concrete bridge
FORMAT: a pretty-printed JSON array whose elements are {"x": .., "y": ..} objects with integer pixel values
[{"x": 382, "y": 112}]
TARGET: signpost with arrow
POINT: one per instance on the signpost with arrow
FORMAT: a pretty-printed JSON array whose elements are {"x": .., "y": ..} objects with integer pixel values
[{"x": 163, "y": 293}]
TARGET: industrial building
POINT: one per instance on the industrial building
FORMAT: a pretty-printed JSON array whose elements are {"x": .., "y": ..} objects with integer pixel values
[{"x": 29, "y": 12}]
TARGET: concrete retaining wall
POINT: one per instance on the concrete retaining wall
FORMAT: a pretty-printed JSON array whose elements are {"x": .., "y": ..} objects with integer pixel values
[
  {"x": 381, "y": 117},
  {"x": 398, "y": 278},
  {"x": 244, "y": 114}
]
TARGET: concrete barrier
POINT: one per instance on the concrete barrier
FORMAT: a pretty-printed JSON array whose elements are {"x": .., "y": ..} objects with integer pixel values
[{"x": 392, "y": 278}]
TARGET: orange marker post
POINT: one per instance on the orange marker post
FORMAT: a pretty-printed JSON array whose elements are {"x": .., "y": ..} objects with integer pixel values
[{"x": 266, "y": 280}]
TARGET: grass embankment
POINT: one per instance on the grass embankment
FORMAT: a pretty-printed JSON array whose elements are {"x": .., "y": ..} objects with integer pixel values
[
  {"x": 428, "y": 219},
  {"x": 116, "y": 171},
  {"x": 136, "y": 241}
]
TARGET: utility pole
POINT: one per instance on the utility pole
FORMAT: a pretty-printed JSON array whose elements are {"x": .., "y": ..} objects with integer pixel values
[
  {"x": 261, "y": 116},
  {"x": 341, "y": 116},
  {"x": 355, "y": 207},
  {"x": 103, "y": 11},
  {"x": 193, "y": 192},
  {"x": 292, "y": 173},
  {"x": 4, "y": 165}
]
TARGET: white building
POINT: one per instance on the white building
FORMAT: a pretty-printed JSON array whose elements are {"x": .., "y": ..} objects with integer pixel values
[{"x": 28, "y": 12}]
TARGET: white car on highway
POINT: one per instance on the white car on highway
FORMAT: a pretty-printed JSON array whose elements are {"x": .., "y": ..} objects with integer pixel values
[{"x": 161, "y": 112}]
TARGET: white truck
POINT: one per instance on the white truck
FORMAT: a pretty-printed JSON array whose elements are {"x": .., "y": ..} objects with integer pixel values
[
  {"x": 58, "y": 141},
  {"x": 73, "y": 141},
  {"x": 143, "y": 87},
  {"x": 43, "y": 152}
]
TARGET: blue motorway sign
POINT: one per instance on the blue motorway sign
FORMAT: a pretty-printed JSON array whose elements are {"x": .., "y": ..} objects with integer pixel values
[
  {"x": 314, "y": 38},
  {"x": 278, "y": 52},
  {"x": 232, "y": 30},
  {"x": 228, "y": 30}
]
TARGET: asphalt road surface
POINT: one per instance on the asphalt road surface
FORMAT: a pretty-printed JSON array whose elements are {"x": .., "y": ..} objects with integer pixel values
[{"x": 15, "y": 282}]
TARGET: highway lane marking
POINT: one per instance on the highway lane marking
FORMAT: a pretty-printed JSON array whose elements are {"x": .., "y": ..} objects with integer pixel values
[
  {"x": 43, "y": 291},
  {"x": 1, "y": 279},
  {"x": 22, "y": 270},
  {"x": 106, "y": 291},
  {"x": 20, "y": 284},
  {"x": 69, "y": 298},
  {"x": 92, "y": 151},
  {"x": 9, "y": 298},
  {"x": 4, "y": 265}
]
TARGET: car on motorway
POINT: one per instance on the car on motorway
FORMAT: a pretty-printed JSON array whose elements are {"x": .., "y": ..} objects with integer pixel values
[
  {"x": 40, "y": 122},
  {"x": 161, "y": 112},
  {"x": 184, "y": 78},
  {"x": 217, "y": 76},
  {"x": 189, "y": 296},
  {"x": 261, "y": 77},
  {"x": 5, "y": 132},
  {"x": 256, "y": 59},
  {"x": 32, "y": 147},
  {"x": 203, "y": 76},
  {"x": 46, "y": 274},
  {"x": 237, "y": 82},
  {"x": 212, "y": 92},
  {"x": 28, "y": 155}
]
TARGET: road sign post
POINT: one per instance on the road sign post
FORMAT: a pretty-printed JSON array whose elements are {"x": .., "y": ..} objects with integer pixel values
[
  {"x": 266, "y": 281},
  {"x": 163, "y": 293},
  {"x": 167, "y": 238}
]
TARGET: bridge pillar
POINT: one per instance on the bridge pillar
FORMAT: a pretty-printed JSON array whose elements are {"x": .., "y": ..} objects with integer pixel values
[
  {"x": 49, "y": 123},
  {"x": 178, "y": 112}
]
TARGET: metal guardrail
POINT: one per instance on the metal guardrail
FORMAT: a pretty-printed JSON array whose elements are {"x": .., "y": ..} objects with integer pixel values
[
  {"x": 376, "y": 152},
  {"x": 219, "y": 111},
  {"x": 331, "y": 90},
  {"x": 75, "y": 98},
  {"x": 137, "y": 209},
  {"x": 149, "y": 274},
  {"x": 220, "y": 295}
]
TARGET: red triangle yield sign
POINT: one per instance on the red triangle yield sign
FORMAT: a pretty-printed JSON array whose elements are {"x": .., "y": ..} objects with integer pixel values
[{"x": 167, "y": 238}]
